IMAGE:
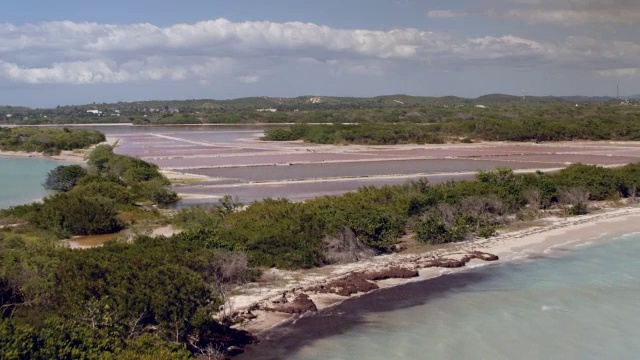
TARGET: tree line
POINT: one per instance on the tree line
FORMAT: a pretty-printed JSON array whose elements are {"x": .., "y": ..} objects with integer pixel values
[{"x": 603, "y": 127}]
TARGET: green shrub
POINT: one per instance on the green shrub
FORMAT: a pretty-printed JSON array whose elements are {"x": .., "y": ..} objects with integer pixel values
[
  {"x": 577, "y": 209},
  {"x": 64, "y": 178}
]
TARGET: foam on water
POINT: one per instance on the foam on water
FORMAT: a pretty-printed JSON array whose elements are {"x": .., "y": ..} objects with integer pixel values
[{"x": 581, "y": 304}]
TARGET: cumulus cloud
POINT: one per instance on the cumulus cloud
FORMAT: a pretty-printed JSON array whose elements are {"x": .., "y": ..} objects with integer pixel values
[{"x": 90, "y": 53}]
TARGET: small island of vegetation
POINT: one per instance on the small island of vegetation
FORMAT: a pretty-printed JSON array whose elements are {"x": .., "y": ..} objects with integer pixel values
[{"x": 49, "y": 141}]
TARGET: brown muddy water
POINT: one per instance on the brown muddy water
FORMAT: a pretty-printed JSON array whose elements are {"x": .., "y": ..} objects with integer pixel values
[{"x": 90, "y": 241}]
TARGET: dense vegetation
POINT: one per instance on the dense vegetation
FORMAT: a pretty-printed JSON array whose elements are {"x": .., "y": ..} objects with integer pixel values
[
  {"x": 94, "y": 201},
  {"x": 489, "y": 127},
  {"x": 303, "y": 235},
  {"x": 326, "y": 109},
  {"x": 47, "y": 140},
  {"x": 152, "y": 299},
  {"x": 159, "y": 298},
  {"x": 383, "y": 134}
]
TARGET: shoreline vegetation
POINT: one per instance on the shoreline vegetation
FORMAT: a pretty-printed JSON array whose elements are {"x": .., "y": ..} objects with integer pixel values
[
  {"x": 48, "y": 141},
  {"x": 237, "y": 267},
  {"x": 535, "y": 240}
]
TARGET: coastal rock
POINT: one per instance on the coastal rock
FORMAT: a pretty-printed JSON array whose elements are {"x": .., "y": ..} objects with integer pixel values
[
  {"x": 233, "y": 341},
  {"x": 300, "y": 305},
  {"x": 392, "y": 273},
  {"x": 457, "y": 263},
  {"x": 448, "y": 263},
  {"x": 347, "y": 286},
  {"x": 239, "y": 318},
  {"x": 485, "y": 256}
]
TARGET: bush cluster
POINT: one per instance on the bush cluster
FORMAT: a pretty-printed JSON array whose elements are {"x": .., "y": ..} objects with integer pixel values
[
  {"x": 47, "y": 140},
  {"x": 91, "y": 199}
]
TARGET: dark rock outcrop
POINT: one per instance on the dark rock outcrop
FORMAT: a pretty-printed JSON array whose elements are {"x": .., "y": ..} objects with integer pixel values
[
  {"x": 300, "y": 305},
  {"x": 347, "y": 286},
  {"x": 391, "y": 273},
  {"x": 457, "y": 263}
]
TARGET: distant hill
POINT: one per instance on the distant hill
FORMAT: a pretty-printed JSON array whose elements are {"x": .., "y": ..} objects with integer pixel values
[
  {"x": 582, "y": 99},
  {"x": 310, "y": 102},
  {"x": 11, "y": 109}
]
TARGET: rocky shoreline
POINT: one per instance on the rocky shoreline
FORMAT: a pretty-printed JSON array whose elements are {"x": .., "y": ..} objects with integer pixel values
[
  {"x": 299, "y": 301},
  {"x": 261, "y": 308}
]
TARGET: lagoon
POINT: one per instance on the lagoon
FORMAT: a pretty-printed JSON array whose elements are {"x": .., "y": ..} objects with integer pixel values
[{"x": 21, "y": 179}]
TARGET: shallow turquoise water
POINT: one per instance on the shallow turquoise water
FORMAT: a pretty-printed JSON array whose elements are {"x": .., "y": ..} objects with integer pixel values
[
  {"x": 581, "y": 303},
  {"x": 21, "y": 179}
]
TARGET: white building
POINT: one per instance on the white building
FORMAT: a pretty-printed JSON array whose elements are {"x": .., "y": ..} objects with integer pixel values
[{"x": 94, "y": 112}]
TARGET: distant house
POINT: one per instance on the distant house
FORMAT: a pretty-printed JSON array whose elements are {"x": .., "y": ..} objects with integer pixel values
[
  {"x": 481, "y": 106},
  {"x": 94, "y": 112},
  {"x": 267, "y": 110},
  {"x": 9, "y": 116}
]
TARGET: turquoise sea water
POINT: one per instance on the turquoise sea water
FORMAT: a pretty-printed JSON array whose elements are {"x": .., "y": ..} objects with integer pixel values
[
  {"x": 21, "y": 179},
  {"x": 580, "y": 302}
]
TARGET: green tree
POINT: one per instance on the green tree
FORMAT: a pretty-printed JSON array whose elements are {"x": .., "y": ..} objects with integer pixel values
[{"x": 64, "y": 178}]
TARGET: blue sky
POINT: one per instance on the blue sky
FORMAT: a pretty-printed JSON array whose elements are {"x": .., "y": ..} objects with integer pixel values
[{"x": 76, "y": 52}]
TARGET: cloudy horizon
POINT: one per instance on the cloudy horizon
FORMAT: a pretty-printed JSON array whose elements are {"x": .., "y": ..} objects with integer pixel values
[{"x": 213, "y": 50}]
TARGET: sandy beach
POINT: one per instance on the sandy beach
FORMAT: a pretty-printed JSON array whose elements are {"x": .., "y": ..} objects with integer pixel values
[
  {"x": 255, "y": 302},
  {"x": 70, "y": 156}
]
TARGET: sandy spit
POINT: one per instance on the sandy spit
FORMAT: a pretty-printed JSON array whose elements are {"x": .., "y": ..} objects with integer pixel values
[{"x": 528, "y": 243}]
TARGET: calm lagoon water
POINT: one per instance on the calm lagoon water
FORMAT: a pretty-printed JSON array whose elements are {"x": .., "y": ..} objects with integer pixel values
[
  {"x": 21, "y": 179},
  {"x": 581, "y": 304}
]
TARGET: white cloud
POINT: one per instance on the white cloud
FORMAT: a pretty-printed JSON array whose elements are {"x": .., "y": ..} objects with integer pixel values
[
  {"x": 570, "y": 13},
  {"x": 568, "y": 17},
  {"x": 621, "y": 73},
  {"x": 445, "y": 14},
  {"x": 89, "y": 53},
  {"x": 249, "y": 79}
]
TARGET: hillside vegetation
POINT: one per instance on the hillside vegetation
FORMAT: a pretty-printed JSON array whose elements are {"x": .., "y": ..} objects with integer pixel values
[{"x": 309, "y": 109}]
